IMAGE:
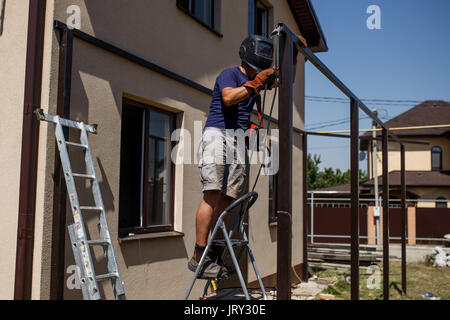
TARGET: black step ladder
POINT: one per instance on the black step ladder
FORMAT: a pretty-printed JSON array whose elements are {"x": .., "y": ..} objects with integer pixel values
[{"x": 228, "y": 244}]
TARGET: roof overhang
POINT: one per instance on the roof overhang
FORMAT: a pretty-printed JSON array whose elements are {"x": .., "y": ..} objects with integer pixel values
[{"x": 309, "y": 25}]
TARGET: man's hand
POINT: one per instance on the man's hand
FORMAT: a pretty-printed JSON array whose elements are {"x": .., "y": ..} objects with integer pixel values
[
  {"x": 261, "y": 80},
  {"x": 303, "y": 40}
]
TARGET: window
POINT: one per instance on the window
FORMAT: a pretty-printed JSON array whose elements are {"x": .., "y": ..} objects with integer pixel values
[
  {"x": 261, "y": 20},
  {"x": 273, "y": 188},
  {"x": 273, "y": 198},
  {"x": 436, "y": 158},
  {"x": 258, "y": 18},
  {"x": 204, "y": 11},
  {"x": 441, "y": 204},
  {"x": 146, "y": 170}
]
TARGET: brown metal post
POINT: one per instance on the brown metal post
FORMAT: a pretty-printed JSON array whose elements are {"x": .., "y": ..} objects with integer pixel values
[
  {"x": 284, "y": 196},
  {"x": 354, "y": 217},
  {"x": 404, "y": 217},
  {"x": 29, "y": 157},
  {"x": 304, "y": 274},
  {"x": 60, "y": 193},
  {"x": 385, "y": 217}
]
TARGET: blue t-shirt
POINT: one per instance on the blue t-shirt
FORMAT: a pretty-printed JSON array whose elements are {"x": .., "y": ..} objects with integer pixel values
[{"x": 232, "y": 117}]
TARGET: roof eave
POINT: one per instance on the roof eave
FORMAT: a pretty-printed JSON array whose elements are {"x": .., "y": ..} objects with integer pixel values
[{"x": 319, "y": 40}]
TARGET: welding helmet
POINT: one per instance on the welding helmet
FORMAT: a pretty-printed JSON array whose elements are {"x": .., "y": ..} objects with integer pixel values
[{"x": 257, "y": 52}]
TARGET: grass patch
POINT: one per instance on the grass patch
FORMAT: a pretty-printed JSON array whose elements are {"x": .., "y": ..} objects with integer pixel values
[
  {"x": 421, "y": 278},
  {"x": 332, "y": 290}
]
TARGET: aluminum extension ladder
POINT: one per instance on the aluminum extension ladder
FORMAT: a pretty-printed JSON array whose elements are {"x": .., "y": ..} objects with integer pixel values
[
  {"x": 228, "y": 244},
  {"x": 80, "y": 244}
]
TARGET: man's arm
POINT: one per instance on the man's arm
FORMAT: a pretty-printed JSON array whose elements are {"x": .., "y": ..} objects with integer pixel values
[{"x": 232, "y": 96}]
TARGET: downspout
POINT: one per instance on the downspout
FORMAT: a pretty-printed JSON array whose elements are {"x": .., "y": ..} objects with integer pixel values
[{"x": 29, "y": 157}]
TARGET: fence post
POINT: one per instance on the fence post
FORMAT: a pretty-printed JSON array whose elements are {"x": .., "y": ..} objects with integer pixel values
[
  {"x": 354, "y": 216},
  {"x": 404, "y": 217},
  {"x": 385, "y": 217},
  {"x": 284, "y": 190},
  {"x": 312, "y": 217}
]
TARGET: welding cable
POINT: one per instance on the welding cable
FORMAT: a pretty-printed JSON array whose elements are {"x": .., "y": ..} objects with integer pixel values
[{"x": 293, "y": 269}]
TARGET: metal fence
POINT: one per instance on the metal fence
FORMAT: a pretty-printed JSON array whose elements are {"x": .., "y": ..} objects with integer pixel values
[{"x": 335, "y": 203}]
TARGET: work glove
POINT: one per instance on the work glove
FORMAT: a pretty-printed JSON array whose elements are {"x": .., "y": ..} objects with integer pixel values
[
  {"x": 265, "y": 77},
  {"x": 305, "y": 44}
]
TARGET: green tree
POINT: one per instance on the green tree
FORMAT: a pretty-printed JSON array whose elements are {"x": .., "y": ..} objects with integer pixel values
[{"x": 328, "y": 177}]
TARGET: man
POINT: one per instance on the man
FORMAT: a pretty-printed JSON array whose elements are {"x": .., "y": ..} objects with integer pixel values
[{"x": 235, "y": 92}]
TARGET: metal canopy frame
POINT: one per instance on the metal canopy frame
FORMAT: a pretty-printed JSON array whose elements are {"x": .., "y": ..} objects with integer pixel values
[
  {"x": 284, "y": 244},
  {"x": 284, "y": 229}
]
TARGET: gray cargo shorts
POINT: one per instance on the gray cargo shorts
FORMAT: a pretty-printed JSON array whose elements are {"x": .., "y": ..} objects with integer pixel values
[{"x": 223, "y": 163}]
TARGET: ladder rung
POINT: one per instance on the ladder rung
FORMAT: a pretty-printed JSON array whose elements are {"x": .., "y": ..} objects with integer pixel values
[
  {"x": 91, "y": 208},
  {"x": 84, "y": 176},
  {"x": 77, "y": 145},
  {"x": 98, "y": 243},
  {"x": 106, "y": 276}
]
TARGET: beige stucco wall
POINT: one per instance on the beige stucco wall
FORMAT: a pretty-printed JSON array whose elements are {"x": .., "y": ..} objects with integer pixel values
[
  {"x": 12, "y": 79},
  {"x": 160, "y": 33},
  {"x": 418, "y": 157}
]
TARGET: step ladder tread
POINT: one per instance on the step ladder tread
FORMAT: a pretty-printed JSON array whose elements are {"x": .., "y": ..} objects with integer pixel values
[
  {"x": 234, "y": 242},
  {"x": 218, "y": 277}
]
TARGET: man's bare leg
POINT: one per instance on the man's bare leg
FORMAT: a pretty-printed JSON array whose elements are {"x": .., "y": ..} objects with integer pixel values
[
  {"x": 204, "y": 218},
  {"x": 223, "y": 203},
  {"x": 209, "y": 210}
]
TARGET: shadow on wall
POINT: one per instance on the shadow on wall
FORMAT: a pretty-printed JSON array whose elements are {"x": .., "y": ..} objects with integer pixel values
[
  {"x": 94, "y": 75},
  {"x": 297, "y": 142},
  {"x": 141, "y": 252},
  {"x": 105, "y": 188},
  {"x": 2, "y": 16}
]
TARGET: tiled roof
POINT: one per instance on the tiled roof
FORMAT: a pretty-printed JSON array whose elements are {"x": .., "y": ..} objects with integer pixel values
[
  {"x": 434, "y": 112},
  {"x": 416, "y": 179},
  {"x": 413, "y": 179},
  {"x": 342, "y": 189}
]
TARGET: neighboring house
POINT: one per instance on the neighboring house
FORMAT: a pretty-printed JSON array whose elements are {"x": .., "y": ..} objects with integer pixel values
[
  {"x": 427, "y": 166},
  {"x": 427, "y": 178},
  {"x": 170, "y": 55}
]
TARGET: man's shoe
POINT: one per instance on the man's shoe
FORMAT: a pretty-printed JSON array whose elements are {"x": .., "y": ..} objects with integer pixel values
[{"x": 209, "y": 268}]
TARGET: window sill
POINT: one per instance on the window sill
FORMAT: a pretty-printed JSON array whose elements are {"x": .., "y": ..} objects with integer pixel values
[
  {"x": 217, "y": 33},
  {"x": 148, "y": 236}
]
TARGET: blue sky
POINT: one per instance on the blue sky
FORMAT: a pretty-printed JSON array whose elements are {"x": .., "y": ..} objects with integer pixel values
[{"x": 407, "y": 59}]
